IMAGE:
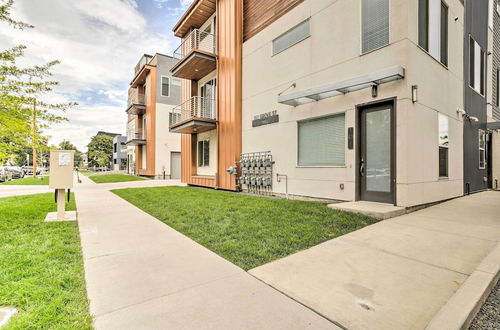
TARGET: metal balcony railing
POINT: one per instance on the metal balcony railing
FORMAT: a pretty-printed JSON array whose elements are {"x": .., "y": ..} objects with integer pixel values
[
  {"x": 135, "y": 136},
  {"x": 196, "y": 40},
  {"x": 142, "y": 62},
  {"x": 195, "y": 107},
  {"x": 134, "y": 97}
]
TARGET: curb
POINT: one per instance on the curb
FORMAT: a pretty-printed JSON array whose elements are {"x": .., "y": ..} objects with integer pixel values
[{"x": 462, "y": 307}]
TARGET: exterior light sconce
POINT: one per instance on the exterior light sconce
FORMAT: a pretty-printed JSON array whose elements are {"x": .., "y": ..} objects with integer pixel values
[
  {"x": 414, "y": 93},
  {"x": 374, "y": 90},
  {"x": 467, "y": 116}
]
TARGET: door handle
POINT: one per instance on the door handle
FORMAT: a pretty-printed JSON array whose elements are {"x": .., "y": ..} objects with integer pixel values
[{"x": 362, "y": 168}]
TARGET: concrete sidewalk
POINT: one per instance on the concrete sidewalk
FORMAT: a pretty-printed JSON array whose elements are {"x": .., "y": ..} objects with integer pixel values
[
  {"x": 141, "y": 274},
  {"x": 14, "y": 190},
  {"x": 398, "y": 273}
]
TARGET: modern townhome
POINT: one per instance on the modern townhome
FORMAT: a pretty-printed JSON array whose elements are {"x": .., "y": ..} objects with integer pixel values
[
  {"x": 119, "y": 153},
  {"x": 374, "y": 100},
  {"x": 153, "y": 150},
  {"x": 493, "y": 92}
]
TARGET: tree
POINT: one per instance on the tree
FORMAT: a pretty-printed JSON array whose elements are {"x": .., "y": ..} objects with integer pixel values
[
  {"x": 100, "y": 151},
  {"x": 21, "y": 91},
  {"x": 66, "y": 145}
]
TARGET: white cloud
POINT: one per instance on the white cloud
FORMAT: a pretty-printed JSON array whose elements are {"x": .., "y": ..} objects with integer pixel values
[{"x": 98, "y": 42}]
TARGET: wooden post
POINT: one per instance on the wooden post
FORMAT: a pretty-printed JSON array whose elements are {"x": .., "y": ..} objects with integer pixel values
[{"x": 33, "y": 132}]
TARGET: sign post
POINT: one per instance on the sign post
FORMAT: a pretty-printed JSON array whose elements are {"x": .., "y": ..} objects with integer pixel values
[{"x": 60, "y": 179}]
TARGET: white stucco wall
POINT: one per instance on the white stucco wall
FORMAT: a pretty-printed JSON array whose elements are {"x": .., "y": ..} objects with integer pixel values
[
  {"x": 331, "y": 54},
  {"x": 166, "y": 142}
]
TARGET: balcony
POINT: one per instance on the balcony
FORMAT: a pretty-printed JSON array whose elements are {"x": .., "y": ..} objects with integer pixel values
[
  {"x": 196, "y": 115},
  {"x": 136, "y": 139},
  {"x": 141, "y": 70},
  {"x": 136, "y": 102},
  {"x": 197, "y": 56}
]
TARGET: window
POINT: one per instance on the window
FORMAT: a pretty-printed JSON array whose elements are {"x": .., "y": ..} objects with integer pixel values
[
  {"x": 433, "y": 28},
  {"x": 443, "y": 145},
  {"x": 321, "y": 141},
  {"x": 114, "y": 161},
  {"x": 374, "y": 24},
  {"x": 176, "y": 82},
  {"x": 291, "y": 37},
  {"x": 497, "y": 89},
  {"x": 115, "y": 147},
  {"x": 165, "y": 86},
  {"x": 477, "y": 60},
  {"x": 204, "y": 153},
  {"x": 482, "y": 149}
]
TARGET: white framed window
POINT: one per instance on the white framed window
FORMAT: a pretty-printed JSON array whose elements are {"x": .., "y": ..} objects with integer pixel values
[
  {"x": 165, "y": 86},
  {"x": 374, "y": 24},
  {"x": 482, "y": 149},
  {"x": 433, "y": 28},
  {"x": 321, "y": 141},
  {"x": 443, "y": 143},
  {"x": 204, "y": 153},
  {"x": 291, "y": 37},
  {"x": 477, "y": 66}
]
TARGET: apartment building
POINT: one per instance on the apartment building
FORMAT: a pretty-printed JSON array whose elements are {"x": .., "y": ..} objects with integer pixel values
[
  {"x": 152, "y": 150},
  {"x": 372, "y": 100},
  {"x": 119, "y": 153}
]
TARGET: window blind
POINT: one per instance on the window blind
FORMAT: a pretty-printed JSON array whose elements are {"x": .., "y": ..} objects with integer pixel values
[
  {"x": 291, "y": 37},
  {"x": 321, "y": 141},
  {"x": 375, "y": 24}
]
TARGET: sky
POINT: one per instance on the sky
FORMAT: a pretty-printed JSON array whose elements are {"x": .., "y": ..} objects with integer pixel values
[{"x": 98, "y": 43}]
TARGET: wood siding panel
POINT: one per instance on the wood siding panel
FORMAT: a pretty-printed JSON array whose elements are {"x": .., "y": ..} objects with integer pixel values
[
  {"x": 229, "y": 89},
  {"x": 260, "y": 13}
]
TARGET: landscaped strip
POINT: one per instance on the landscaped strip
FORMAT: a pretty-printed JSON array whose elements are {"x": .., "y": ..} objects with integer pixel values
[
  {"x": 246, "y": 230},
  {"x": 41, "y": 267},
  {"x": 29, "y": 181},
  {"x": 111, "y": 178}
]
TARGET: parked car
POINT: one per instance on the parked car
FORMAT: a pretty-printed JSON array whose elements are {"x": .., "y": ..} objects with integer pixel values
[
  {"x": 5, "y": 174},
  {"x": 28, "y": 170},
  {"x": 17, "y": 172}
]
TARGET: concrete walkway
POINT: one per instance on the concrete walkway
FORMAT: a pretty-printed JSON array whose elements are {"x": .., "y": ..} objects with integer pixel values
[
  {"x": 13, "y": 190},
  {"x": 141, "y": 274},
  {"x": 398, "y": 273}
]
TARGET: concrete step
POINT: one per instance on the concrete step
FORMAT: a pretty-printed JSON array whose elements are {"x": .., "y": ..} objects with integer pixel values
[{"x": 376, "y": 210}]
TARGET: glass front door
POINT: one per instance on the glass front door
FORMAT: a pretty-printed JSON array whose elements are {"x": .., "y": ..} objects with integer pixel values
[
  {"x": 208, "y": 93},
  {"x": 377, "y": 155}
]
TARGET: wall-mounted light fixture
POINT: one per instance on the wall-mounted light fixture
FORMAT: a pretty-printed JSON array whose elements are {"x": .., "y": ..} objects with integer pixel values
[
  {"x": 466, "y": 115},
  {"x": 374, "y": 90},
  {"x": 414, "y": 93}
]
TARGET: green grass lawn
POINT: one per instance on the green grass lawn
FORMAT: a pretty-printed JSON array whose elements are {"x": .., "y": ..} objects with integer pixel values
[
  {"x": 110, "y": 178},
  {"x": 246, "y": 230},
  {"x": 39, "y": 180},
  {"x": 87, "y": 173},
  {"x": 41, "y": 268}
]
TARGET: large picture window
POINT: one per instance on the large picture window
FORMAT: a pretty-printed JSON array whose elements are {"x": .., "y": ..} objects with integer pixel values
[
  {"x": 477, "y": 61},
  {"x": 204, "y": 153},
  {"x": 321, "y": 141},
  {"x": 375, "y": 24},
  {"x": 443, "y": 145},
  {"x": 433, "y": 28}
]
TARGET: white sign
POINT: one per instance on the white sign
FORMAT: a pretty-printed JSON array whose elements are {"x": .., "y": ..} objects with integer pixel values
[{"x": 64, "y": 159}]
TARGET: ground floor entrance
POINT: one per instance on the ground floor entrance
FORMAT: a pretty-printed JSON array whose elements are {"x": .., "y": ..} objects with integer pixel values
[{"x": 376, "y": 153}]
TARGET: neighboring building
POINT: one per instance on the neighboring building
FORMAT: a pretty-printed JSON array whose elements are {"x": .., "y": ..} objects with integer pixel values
[
  {"x": 107, "y": 134},
  {"x": 153, "y": 151},
  {"x": 493, "y": 77},
  {"x": 119, "y": 153},
  {"x": 339, "y": 99}
]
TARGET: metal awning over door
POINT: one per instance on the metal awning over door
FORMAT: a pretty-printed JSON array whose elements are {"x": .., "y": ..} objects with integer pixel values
[{"x": 342, "y": 87}]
